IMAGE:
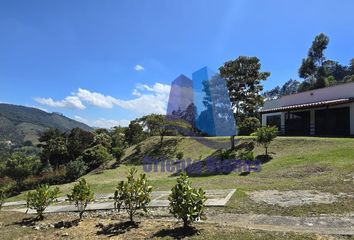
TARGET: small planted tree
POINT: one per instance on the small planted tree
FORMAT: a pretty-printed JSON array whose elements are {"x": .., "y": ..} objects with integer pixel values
[
  {"x": 265, "y": 135},
  {"x": 133, "y": 194},
  {"x": 186, "y": 203},
  {"x": 41, "y": 198},
  {"x": 4, "y": 193},
  {"x": 81, "y": 195}
]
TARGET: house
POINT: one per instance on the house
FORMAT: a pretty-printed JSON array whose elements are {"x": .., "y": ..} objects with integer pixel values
[{"x": 321, "y": 112}]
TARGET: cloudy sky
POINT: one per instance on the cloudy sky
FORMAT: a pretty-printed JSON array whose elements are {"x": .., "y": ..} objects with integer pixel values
[{"x": 107, "y": 62}]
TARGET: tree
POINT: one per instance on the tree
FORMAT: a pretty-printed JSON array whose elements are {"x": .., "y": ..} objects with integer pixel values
[
  {"x": 134, "y": 134},
  {"x": 103, "y": 139},
  {"x": 81, "y": 195},
  {"x": 4, "y": 193},
  {"x": 54, "y": 147},
  {"x": 265, "y": 135},
  {"x": 248, "y": 126},
  {"x": 133, "y": 194},
  {"x": 19, "y": 167},
  {"x": 41, "y": 198},
  {"x": 76, "y": 169},
  {"x": 77, "y": 141},
  {"x": 186, "y": 203},
  {"x": 243, "y": 77},
  {"x": 118, "y": 153},
  {"x": 289, "y": 87},
  {"x": 118, "y": 137},
  {"x": 96, "y": 156}
]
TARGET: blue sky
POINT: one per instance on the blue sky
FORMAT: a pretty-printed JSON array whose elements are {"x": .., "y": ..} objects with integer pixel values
[{"x": 107, "y": 62}]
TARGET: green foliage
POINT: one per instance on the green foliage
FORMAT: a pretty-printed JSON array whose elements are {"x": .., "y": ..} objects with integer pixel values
[
  {"x": 134, "y": 134},
  {"x": 54, "y": 147},
  {"x": 19, "y": 166},
  {"x": 243, "y": 77},
  {"x": 289, "y": 87},
  {"x": 248, "y": 126},
  {"x": 133, "y": 194},
  {"x": 75, "y": 169},
  {"x": 41, "y": 198},
  {"x": 96, "y": 156},
  {"x": 4, "y": 193},
  {"x": 265, "y": 135},
  {"x": 186, "y": 203},
  {"x": 179, "y": 155},
  {"x": 118, "y": 153},
  {"x": 81, "y": 195},
  {"x": 103, "y": 139},
  {"x": 246, "y": 155},
  {"x": 77, "y": 141}
]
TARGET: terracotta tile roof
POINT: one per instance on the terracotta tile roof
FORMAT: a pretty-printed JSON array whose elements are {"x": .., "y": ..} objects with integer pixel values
[{"x": 308, "y": 105}]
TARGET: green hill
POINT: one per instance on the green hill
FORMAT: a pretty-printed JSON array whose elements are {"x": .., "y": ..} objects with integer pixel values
[{"x": 19, "y": 123}]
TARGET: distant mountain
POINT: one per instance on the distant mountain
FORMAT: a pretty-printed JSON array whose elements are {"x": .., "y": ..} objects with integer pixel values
[{"x": 19, "y": 123}]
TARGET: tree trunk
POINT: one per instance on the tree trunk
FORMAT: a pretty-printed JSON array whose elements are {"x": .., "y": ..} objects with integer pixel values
[{"x": 232, "y": 138}]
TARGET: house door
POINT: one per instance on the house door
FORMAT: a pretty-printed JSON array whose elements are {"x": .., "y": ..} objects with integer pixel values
[
  {"x": 332, "y": 122},
  {"x": 297, "y": 123}
]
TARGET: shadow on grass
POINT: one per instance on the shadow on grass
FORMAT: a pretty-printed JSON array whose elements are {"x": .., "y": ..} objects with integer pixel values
[
  {"x": 28, "y": 222},
  {"x": 67, "y": 224},
  {"x": 264, "y": 158},
  {"x": 177, "y": 233},
  {"x": 114, "y": 229}
]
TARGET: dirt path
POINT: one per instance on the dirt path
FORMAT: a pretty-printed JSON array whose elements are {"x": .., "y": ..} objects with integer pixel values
[{"x": 336, "y": 225}]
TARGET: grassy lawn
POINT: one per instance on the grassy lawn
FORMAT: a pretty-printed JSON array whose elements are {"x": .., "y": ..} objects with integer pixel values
[
  {"x": 14, "y": 228},
  {"x": 299, "y": 163}
]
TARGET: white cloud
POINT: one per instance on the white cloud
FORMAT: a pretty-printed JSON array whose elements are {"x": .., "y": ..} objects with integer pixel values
[
  {"x": 139, "y": 68},
  {"x": 68, "y": 102},
  {"x": 103, "y": 123},
  {"x": 148, "y": 99},
  {"x": 96, "y": 99}
]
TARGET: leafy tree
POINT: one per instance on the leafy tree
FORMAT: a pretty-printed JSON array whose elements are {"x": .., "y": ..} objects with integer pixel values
[
  {"x": 289, "y": 87},
  {"x": 103, "y": 139},
  {"x": 96, "y": 156},
  {"x": 4, "y": 193},
  {"x": 186, "y": 203},
  {"x": 118, "y": 153},
  {"x": 134, "y": 194},
  {"x": 265, "y": 135},
  {"x": 81, "y": 195},
  {"x": 248, "y": 126},
  {"x": 118, "y": 137},
  {"x": 76, "y": 169},
  {"x": 19, "y": 167},
  {"x": 41, "y": 198},
  {"x": 243, "y": 77},
  {"x": 77, "y": 141},
  {"x": 134, "y": 134},
  {"x": 54, "y": 147}
]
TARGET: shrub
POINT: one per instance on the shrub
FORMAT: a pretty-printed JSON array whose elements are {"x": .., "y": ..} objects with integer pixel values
[
  {"x": 134, "y": 194},
  {"x": 81, "y": 195},
  {"x": 75, "y": 169},
  {"x": 41, "y": 198},
  {"x": 186, "y": 203},
  {"x": 118, "y": 153},
  {"x": 179, "y": 155},
  {"x": 4, "y": 193},
  {"x": 248, "y": 126},
  {"x": 265, "y": 135},
  {"x": 96, "y": 156}
]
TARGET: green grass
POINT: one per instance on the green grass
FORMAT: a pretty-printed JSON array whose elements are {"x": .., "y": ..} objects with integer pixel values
[{"x": 299, "y": 163}]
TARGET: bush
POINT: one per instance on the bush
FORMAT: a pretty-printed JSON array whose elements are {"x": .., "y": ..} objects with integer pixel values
[
  {"x": 186, "y": 203},
  {"x": 118, "y": 153},
  {"x": 248, "y": 126},
  {"x": 4, "y": 193},
  {"x": 41, "y": 198},
  {"x": 179, "y": 155},
  {"x": 265, "y": 135},
  {"x": 96, "y": 156},
  {"x": 134, "y": 194},
  {"x": 81, "y": 195},
  {"x": 75, "y": 169}
]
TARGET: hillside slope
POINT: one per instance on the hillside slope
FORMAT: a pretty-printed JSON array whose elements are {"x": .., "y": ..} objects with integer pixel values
[{"x": 19, "y": 123}]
